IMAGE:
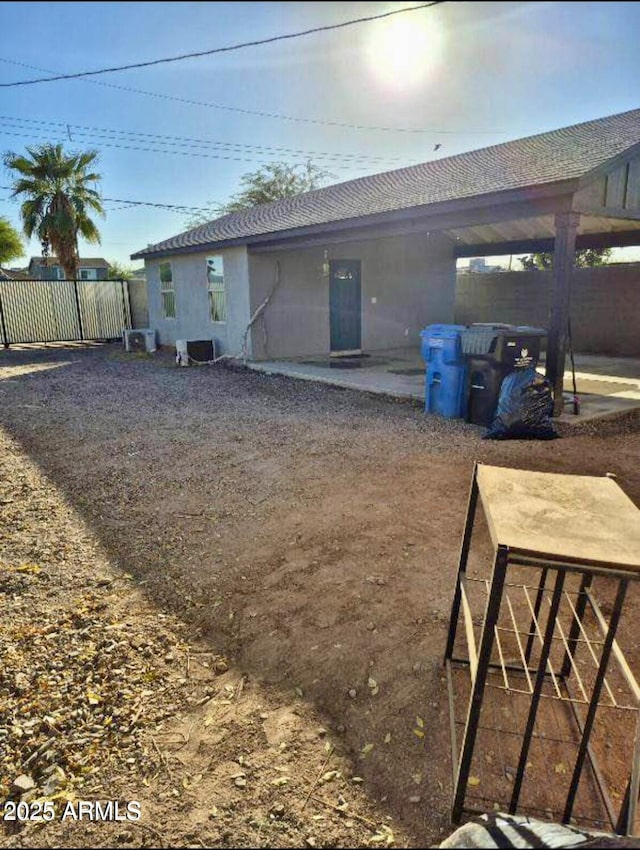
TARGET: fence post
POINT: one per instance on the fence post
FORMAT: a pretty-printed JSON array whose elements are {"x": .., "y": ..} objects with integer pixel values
[
  {"x": 75, "y": 292},
  {"x": 126, "y": 303},
  {"x": 5, "y": 335}
]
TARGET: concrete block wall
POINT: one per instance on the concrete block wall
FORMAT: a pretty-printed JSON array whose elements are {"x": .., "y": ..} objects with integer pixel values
[{"x": 605, "y": 304}]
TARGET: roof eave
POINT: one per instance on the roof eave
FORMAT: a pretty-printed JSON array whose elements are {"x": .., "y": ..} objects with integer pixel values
[{"x": 434, "y": 212}]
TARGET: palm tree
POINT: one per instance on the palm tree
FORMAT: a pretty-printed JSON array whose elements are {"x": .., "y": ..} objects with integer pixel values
[{"x": 57, "y": 199}]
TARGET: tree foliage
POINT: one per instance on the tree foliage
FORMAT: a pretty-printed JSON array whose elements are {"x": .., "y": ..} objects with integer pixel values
[
  {"x": 119, "y": 271},
  {"x": 272, "y": 182},
  {"x": 57, "y": 199},
  {"x": 11, "y": 246},
  {"x": 584, "y": 258}
]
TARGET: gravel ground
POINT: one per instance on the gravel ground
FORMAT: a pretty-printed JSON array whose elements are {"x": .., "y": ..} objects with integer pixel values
[
  {"x": 302, "y": 535},
  {"x": 105, "y": 698}
]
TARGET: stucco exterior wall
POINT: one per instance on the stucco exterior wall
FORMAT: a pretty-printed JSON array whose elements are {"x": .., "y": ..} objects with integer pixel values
[
  {"x": 192, "y": 320},
  {"x": 407, "y": 282},
  {"x": 605, "y": 305}
]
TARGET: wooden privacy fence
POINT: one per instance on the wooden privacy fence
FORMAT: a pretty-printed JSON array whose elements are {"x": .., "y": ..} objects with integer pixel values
[{"x": 62, "y": 310}]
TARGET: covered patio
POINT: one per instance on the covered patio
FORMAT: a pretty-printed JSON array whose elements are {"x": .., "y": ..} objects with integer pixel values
[
  {"x": 577, "y": 188},
  {"x": 606, "y": 386},
  {"x": 603, "y": 213},
  {"x": 582, "y": 193}
]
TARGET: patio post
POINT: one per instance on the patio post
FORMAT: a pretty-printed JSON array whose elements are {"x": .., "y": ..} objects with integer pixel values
[{"x": 566, "y": 225}]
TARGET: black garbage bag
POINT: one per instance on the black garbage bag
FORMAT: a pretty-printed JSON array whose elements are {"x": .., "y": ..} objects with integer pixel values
[{"x": 525, "y": 408}]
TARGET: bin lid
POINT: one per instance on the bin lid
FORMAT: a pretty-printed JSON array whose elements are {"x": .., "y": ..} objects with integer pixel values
[
  {"x": 499, "y": 329},
  {"x": 529, "y": 330},
  {"x": 479, "y": 338},
  {"x": 442, "y": 330}
]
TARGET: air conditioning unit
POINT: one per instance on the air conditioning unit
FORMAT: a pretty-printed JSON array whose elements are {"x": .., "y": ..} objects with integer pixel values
[
  {"x": 139, "y": 339},
  {"x": 195, "y": 351}
]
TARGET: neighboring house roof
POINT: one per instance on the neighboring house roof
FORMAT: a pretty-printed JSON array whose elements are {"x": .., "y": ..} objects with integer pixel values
[
  {"x": 13, "y": 274},
  {"x": 84, "y": 262},
  {"x": 553, "y": 157}
]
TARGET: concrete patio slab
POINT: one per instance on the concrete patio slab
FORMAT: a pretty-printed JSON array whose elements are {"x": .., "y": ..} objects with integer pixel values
[
  {"x": 382, "y": 372},
  {"x": 606, "y": 385}
]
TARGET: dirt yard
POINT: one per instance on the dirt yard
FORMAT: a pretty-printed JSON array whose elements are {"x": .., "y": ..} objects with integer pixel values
[{"x": 225, "y": 595}]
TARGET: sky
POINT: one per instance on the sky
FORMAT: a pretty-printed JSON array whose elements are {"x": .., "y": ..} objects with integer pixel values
[{"x": 459, "y": 75}]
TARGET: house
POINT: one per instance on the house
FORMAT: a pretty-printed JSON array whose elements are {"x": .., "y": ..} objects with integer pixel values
[
  {"x": 368, "y": 263},
  {"x": 478, "y": 265},
  {"x": 89, "y": 268},
  {"x": 13, "y": 274}
]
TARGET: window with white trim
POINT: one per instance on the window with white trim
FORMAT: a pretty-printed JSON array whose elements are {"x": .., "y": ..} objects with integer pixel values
[
  {"x": 167, "y": 291},
  {"x": 88, "y": 274},
  {"x": 215, "y": 285}
]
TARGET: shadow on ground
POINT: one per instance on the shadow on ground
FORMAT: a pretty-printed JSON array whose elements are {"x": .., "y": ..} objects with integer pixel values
[{"x": 310, "y": 532}]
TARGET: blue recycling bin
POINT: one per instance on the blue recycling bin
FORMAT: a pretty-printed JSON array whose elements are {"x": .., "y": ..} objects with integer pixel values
[
  {"x": 441, "y": 343},
  {"x": 445, "y": 390},
  {"x": 446, "y": 377}
]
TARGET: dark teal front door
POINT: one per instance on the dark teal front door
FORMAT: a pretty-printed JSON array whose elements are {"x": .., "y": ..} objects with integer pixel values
[{"x": 345, "y": 306}]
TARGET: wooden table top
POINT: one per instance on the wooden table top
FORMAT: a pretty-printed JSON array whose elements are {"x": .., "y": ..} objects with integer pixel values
[{"x": 574, "y": 518}]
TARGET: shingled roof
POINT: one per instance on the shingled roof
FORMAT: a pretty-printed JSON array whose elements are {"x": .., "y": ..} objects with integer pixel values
[
  {"x": 553, "y": 157},
  {"x": 84, "y": 262}
]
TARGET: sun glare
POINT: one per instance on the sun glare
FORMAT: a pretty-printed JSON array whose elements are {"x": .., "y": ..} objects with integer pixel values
[{"x": 403, "y": 51}]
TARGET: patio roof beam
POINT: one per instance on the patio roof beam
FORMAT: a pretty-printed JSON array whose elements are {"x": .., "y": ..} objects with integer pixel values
[{"x": 612, "y": 239}]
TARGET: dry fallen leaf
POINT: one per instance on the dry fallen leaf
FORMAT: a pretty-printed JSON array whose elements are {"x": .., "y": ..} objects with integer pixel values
[
  {"x": 364, "y": 752},
  {"x": 473, "y": 781},
  {"x": 29, "y": 568},
  {"x": 383, "y": 835}
]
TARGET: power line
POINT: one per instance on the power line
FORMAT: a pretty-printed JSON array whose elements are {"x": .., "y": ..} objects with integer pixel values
[
  {"x": 178, "y": 207},
  {"x": 191, "y": 142},
  {"x": 110, "y": 144},
  {"x": 273, "y": 115},
  {"x": 225, "y": 49},
  {"x": 131, "y": 203}
]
